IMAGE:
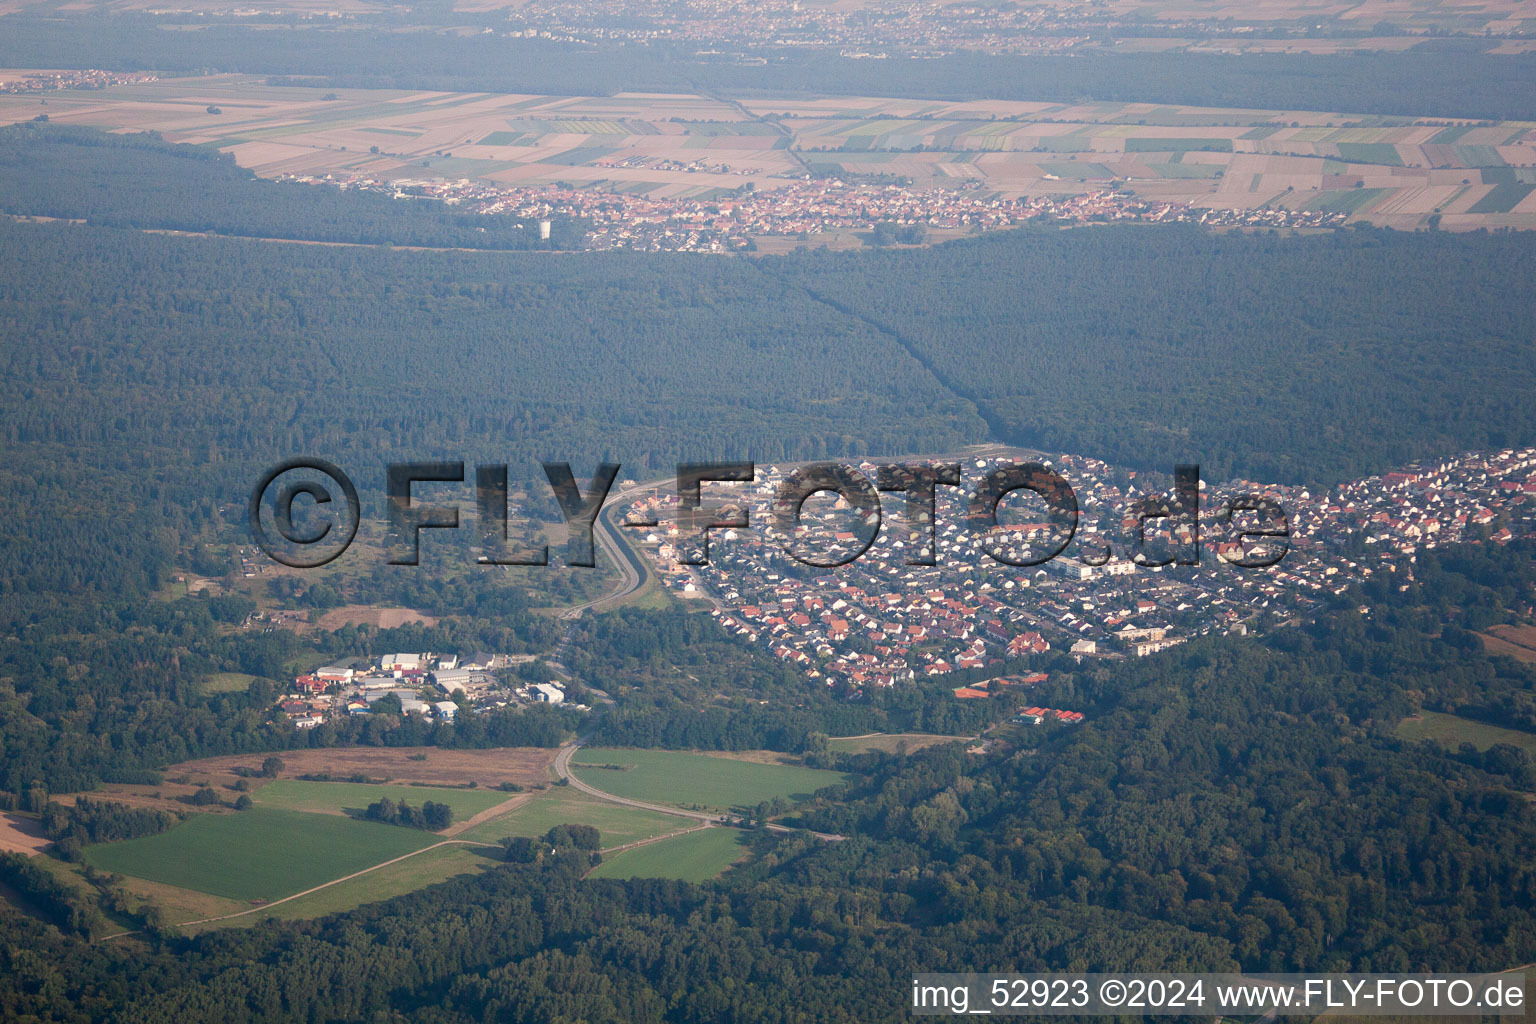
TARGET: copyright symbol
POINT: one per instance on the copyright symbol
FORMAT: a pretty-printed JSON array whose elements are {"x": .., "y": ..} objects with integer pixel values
[
  {"x": 324, "y": 529},
  {"x": 1112, "y": 992}
]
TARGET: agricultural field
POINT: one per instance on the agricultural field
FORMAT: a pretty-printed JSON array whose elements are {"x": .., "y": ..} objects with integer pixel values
[
  {"x": 692, "y": 857},
  {"x": 1209, "y": 157},
  {"x": 562, "y": 805},
  {"x": 1396, "y": 171},
  {"x": 298, "y": 836},
  {"x": 348, "y": 797},
  {"x": 1451, "y": 731},
  {"x": 426, "y": 868},
  {"x": 659, "y": 145},
  {"x": 19, "y": 834},
  {"x": 696, "y": 780},
  {"x": 259, "y": 854}
]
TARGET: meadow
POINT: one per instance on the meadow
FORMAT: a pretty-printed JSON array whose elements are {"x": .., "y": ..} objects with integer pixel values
[
  {"x": 696, "y": 780},
  {"x": 890, "y": 743},
  {"x": 262, "y": 853},
  {"x": 691, "y": 857},
  {"x": 228, "y": 682},
  {"x": 345, "y": 797},
  {"x": 427, "y": 868},
  {"x": 562, "y": 805},
  {"x": 1451, "y": 731}
]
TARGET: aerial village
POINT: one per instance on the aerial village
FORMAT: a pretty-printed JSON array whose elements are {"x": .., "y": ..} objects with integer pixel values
[
  {"x": 805, "y": 208},
  {"x": 879, "y": 621},
  {"x": 983, "y": 625}
]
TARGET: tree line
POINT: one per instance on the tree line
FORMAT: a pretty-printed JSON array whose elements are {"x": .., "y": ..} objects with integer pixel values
[{"x": 141, "y": 181}]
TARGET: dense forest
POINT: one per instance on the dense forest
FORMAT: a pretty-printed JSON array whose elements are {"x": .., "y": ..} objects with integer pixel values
[
  {"x": 1231, "y": 804},
  {"x": 133, "y": 671},
  {"x": 1288, "y": 359},
  {"x": 139, "y": 181},
  {"x": 1294, "y": 360},
  {"x": 363, "y": 356},
  {"x": 1447, "y": 78}
]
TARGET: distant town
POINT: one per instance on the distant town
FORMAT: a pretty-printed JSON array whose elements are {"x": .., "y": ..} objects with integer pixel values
[
  {"x": 809, "y": 207},
  {"x": 879, "y": 621},
  {"x": 86, "y": 78}
]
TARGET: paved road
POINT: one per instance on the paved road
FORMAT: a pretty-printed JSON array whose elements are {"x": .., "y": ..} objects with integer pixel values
[
  {"x": 632, "y": 569},
  {"x": 562, "y": 768}
]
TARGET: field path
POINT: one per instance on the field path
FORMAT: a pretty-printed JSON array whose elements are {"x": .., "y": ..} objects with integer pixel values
[
  {"x": 562, "y": 768},
  {"x": 488, "y": 814},
  {"x": 326, "y": 885},
  {"x": 654, "y": 839},
  {"x": 647, "y": 842}
]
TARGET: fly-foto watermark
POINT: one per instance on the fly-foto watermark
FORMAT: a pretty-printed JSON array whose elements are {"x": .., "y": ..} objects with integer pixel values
[{"x": 305, "y": 512}]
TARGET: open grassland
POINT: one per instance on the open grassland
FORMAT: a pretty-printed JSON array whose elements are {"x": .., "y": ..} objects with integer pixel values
[
  {"x": 890, "y": 743},
  {"x": 562, "y": 805},
  {"x": 181, "y": 905},
  {"x": 228, "y": 682},
  {"x": 1451, "y": 731},
  {"x": 344, "y": 797},
  {"x": 262, "y": 853},
  {"x": 1518, "y": 642},
  {"x": 366, "y": 615},
  {"x": 696, "y": 780},
  {"x": 526, "y": 766},
  {"x": 692, "y": 857},
  {"x": 1472, "y": 173},
  {"x": 417, "y": 872}
]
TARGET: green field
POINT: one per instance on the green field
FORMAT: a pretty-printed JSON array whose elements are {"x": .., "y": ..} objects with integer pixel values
[
  {"x": 1146, "y": 145},
  {"x": 697, "y": 780},
  {"x": 262, "y": 853},
  {"x": 890, "y": 743},
  {"x": 228, "y": 682},
  {"x": 408, "y": 875},
  {"x": 562, "y": 805},
  {"x": 1336, "y": 201},
  {"x": 1451, "y": 732},
  {"x": 340, "y": 797},
  {"x": 1502, "y": 199},
  {"x": 1371, "y": 153},
  {"x": 1186, "y": 170},
  {"x": 694, "y": 857}
]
